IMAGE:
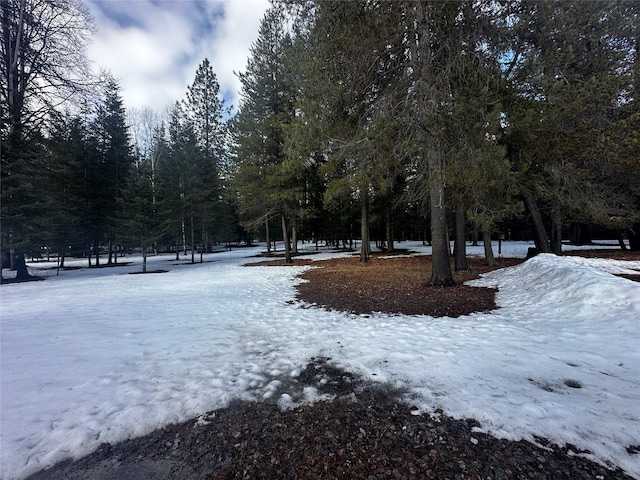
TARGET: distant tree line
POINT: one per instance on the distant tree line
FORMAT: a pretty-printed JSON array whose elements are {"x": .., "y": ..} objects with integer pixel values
[{"x": 433, "y": 119}]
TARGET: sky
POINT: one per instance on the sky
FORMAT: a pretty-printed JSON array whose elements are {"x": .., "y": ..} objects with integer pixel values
[
  {"x": 153, "y": 47},
  {"x": 97, "y": 355}
]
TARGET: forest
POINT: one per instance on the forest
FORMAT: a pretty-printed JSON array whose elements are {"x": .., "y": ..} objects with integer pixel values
[{"x": 360, "y": 120}]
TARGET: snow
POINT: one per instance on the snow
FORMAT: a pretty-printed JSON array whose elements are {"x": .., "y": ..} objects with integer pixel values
[{"x": 94, "y": 356}]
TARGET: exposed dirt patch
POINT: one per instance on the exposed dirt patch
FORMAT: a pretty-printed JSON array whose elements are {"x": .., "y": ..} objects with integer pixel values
[{"x": 396, "y": 285}]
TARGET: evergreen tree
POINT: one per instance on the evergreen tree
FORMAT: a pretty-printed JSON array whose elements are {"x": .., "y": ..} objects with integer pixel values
[
  {"x": 348, "y": 85},
  {"x": 68, "y": 195},
  {"x": 570, "y": 69},
  {"x": 115, "y": 158},
  {"x": 182, "y": 182},
  {"x": 205, "y": 109},
  {"x": 478, "y": 177},
  {"x": 139, "y": 209},
  {"x": 433, "y": 46},
  {"x": 266, "y": 184}
]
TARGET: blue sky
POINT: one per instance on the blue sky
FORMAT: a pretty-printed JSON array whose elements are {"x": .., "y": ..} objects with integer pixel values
[{"x": 153, "y": 47}]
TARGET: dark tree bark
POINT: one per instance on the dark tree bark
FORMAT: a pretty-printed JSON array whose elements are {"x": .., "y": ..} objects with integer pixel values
[
  {"x": 460, "y": 240},
  {"x": 540, "y": 236},
  {"x": 193, "y": 242},
  {"x": 97, "y": 251},
  {"x": 285, "y": 238},
  {"x": 488, "y": 249},
  {"x": 365, "y": 248},
  {"x": 203, "y": 242},
  {"x": 389, "y": 229},
  {"x": 581, "y": 234},
  {"x": 294, "y": 239},
  {"x": 144, "y": 256},
  {"x": 20, "y": 266},
  {"x": 623, "y": 246},
  {"x": 634, "y": 237},
  {"x": 266, "y": 230},
  {"x": 556, "y": 232},
  {"x": 441, "y": 275}
]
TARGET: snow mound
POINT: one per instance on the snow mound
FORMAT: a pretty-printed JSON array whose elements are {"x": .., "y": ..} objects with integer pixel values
[{"x": 570, "y": 285}]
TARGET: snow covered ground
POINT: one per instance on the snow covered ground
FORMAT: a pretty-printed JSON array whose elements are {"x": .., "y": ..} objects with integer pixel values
[{"x": 94, "y": 356}]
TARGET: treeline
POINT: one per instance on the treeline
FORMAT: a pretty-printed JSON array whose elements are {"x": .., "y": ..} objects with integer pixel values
[
  {"x": 99, "y": 181},
  {"x": 119, "y": 180},
  {"x": 461, "y": 116}
]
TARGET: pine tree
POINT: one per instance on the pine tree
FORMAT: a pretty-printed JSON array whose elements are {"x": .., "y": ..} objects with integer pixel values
[
  {"x": 115, "y": 158},
  {"x": 68, "y": 195},
  {"x": 182, "y": 182},
  {"x": 348, "y": 78},
  {"x": 205, "y": 109},
  {"x": 570, "y": 70},
  {"x": 139, "y": 215},
  {"x": 266, "y": 184}
]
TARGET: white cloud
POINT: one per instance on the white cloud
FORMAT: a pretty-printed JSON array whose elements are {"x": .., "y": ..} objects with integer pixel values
[
  {"x": 237, "y": 31},
  {"x": 154, "y": 48}
]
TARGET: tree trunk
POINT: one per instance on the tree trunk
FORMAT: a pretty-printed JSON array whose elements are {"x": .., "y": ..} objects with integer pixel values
[
  {"x": 203, "y": 242},
  {"x": 266, "y": 229},
  {"x": 110, "y": 257},
  {"x": 144, "y": 257},
  {"x": 634, "y": 237},
  {"x": 294, "y": 239},
  {"x": 193, "y": 242},
  {"x": 97, "y": 247},
  {"x": 556, "y": 232},
  {"x": 441, "y": 268},
  {"x": 22, "y": 273},
  {"x": 285, "y": 238},
  {"x": 12, "y": 259},
  {"x": 623, "y": 246},
  {"x": 580, "y": 234},
  {"x": 540, "y": 236},
  {"x": 184, "y": 236},
  {"x": 461, "y": 239},
  {"x": 365, "y": 248},
  {"x": 389, "y": 224},
  {"x": 488, "y": 249}
]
